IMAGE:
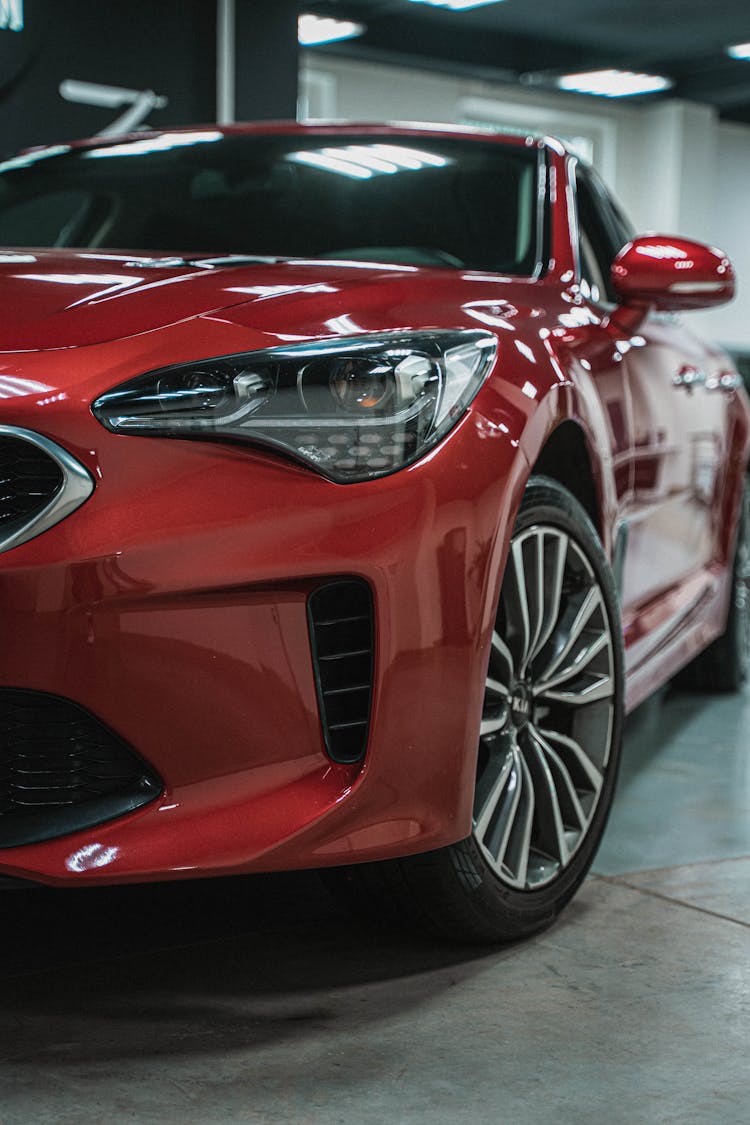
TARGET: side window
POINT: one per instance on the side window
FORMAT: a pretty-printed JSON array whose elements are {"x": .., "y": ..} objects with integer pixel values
[{"x": 603, "y": 232}]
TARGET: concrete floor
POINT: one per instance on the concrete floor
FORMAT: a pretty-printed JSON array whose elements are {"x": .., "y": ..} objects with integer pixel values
[{"x": 258, "y": 1001}]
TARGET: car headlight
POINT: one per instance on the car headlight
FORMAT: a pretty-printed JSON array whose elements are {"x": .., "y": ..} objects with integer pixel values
[{"x": 353, "y": 409}]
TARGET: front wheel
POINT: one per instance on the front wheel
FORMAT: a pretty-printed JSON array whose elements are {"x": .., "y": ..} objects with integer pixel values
[{"x": 549, "y": 743}]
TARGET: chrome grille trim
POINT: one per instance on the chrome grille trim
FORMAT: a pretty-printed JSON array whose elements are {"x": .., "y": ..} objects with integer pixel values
[{"x": 76, "y": 487}]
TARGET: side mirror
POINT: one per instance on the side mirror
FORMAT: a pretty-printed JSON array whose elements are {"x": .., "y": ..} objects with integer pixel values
[{"x": 671, "y": 274}]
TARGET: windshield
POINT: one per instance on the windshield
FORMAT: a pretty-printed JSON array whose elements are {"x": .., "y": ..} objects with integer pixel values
[{"x": 413, "y": 200}]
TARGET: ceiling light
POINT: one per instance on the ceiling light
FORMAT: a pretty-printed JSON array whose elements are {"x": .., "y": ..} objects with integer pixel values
[
  {"x": 457, "y": 5},
  {"x": 740, "y": 51},
  {"x": 614, "y": 83},
  {"x": 312, "y": 30}
]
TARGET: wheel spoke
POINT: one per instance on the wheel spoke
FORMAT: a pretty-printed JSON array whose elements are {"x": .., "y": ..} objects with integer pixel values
[
  {"x": 594, "y": 691},
  {"x": 518, "y": 606},
  {"x": 550, "y": 826},
  {"x": 520, "y": 845},
  {"x": 506, "y": 836},
  {"x": 570, "y": 747},
  {"x": 496, "y": 688},
  {"x": 493, "y": 725},
  {"x": 503, "y": 786},
  {"x": 566, "y": 789},
  {"x": 591, "y": 602},
  {"x": 581, "y": 660},
  {"x": 499, "y": 646},
  {"x": 534, "y": 598},
  {"x": 554, "y": 574}
]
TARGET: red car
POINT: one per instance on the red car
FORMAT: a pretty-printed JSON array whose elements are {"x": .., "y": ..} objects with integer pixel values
[{"x": 355, "y": 482}]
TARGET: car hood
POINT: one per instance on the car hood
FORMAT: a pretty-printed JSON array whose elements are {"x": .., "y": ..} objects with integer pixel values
[{"x": 61, "y": 299}]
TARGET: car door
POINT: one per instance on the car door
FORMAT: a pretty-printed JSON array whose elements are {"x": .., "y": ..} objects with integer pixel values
[{"x": 677, "y": 420}]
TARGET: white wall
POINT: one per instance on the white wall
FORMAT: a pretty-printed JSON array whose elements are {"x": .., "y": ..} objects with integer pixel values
[{"x": 673, "y": 165}]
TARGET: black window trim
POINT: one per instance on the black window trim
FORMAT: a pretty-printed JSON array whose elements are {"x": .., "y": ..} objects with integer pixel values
[{"x": 614, "y": 223}]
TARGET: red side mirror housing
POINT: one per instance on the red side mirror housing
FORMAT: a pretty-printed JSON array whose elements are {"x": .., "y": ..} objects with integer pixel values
[{"x": 671, "y": 274}]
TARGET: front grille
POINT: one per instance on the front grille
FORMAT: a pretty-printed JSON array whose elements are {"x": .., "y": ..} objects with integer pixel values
[
  {"x": 29, "y": 480},
  {"x": 61, "y": 770},
  {"x": 342, "y": 639}
]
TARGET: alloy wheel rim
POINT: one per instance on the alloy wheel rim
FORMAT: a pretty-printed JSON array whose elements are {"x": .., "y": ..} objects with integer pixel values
[{"x": 548, "y": 716}]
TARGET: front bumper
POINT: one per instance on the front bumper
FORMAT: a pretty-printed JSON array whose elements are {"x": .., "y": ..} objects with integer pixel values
[{"x": 173, "y": 607}]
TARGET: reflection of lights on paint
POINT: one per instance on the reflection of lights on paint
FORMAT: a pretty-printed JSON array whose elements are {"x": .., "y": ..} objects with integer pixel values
[
  {"x": 91, "y": 857},
  {"x": 362, "y": 162},
  {"x": 11, "y": 387},
  {"x": 525, "y": 350},
  {"x": 27, "y": 159},
  {"x": 392, "y": 267},
  {"x": 163, "y": 143},
  {"x": 529, "y": 390},
  {"x": 343, "y": 325},
  {"x": 663, "y": 252},
  {"x": 327, "y": 163},
  {"x": 263, "y": 291},
  {"x": 112, "y": 280}
]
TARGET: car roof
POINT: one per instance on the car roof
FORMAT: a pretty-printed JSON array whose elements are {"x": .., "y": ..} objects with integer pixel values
[{"x": 321, "y": 128}]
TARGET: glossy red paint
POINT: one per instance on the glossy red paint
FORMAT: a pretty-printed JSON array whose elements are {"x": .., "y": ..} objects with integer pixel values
[
  {"x": 671, "y": 274},
  {"x": 172, "y": 604}
]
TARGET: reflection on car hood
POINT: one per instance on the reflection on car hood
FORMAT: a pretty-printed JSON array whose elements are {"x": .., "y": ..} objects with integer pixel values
[{"x": 63, "y": 298}]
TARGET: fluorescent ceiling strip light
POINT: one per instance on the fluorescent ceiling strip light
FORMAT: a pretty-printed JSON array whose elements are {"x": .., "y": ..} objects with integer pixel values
[
  {"x": 614, "y": 83},
  {"x": 740, "y": 51},
  {"x": 457, "y": 5},
  {"x": 312, "y": 30}
]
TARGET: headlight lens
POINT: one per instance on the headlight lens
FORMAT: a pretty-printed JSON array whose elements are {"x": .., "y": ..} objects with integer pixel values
[{"x": 354, "y": 409}]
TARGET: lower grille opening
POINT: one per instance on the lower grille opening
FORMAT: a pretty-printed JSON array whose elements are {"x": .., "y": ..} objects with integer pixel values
[
  {"x": 342, "y": 639},
  {"x": 61, "y": 770}
]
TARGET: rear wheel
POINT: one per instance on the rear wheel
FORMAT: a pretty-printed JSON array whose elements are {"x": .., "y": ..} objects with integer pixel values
[{"x": 549, "y": 742}]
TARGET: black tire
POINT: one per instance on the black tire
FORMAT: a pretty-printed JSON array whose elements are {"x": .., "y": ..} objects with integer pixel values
[
  {"x": 482, "y": 889},
  {"x": 724, "y": 666}
]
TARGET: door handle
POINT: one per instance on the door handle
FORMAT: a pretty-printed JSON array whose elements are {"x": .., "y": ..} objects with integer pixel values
[{"x": 689, "y": 377}]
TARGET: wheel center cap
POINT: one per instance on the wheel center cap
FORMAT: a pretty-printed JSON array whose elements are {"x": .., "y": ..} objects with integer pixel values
[{"x": 520, "y": 705}]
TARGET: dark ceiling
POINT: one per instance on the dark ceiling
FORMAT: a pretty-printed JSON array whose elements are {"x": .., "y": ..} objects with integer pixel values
[{"x": 532, "y": 41}]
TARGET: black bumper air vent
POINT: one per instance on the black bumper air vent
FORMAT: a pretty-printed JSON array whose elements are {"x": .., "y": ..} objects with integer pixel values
[
  {"x": 342, "y": 639},
  {"x": 29, "y": 480},
  {"x": 61, "y": 770}
]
